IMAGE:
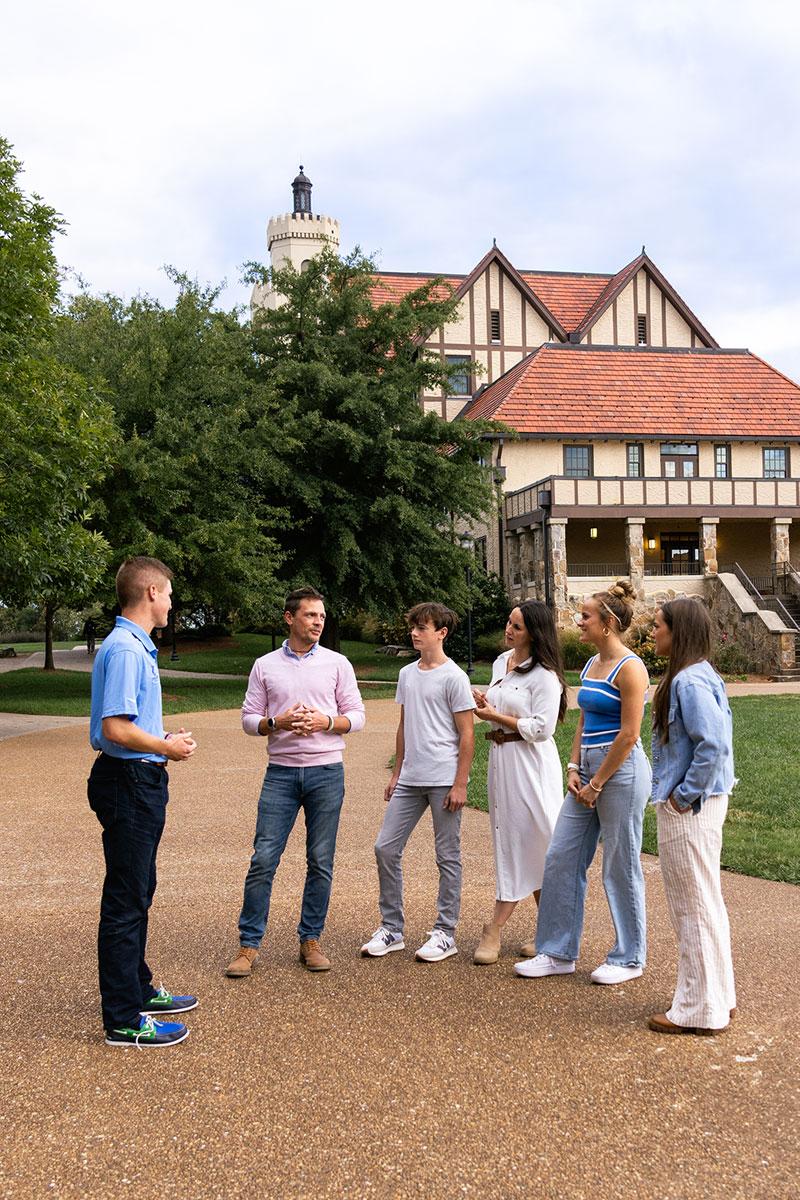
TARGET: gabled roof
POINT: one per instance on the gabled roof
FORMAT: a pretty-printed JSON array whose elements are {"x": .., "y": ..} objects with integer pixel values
[
  {"x": 569, "y": 302},
  {"x": 620, "y": 281},
  {"x": 642, "y": 391}
]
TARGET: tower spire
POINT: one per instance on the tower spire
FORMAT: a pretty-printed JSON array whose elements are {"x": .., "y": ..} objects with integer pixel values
[{"x": 301, "y": 190}]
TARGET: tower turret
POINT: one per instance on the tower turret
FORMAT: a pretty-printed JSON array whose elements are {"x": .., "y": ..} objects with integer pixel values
[{"x": 294, "y": 238}]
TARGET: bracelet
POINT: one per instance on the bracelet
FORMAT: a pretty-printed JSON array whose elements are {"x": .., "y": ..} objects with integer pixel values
[
  {"x": 573, "y": 767},
  {"x": 594, "y": 787},
  {"x": 330, "y": 724}
]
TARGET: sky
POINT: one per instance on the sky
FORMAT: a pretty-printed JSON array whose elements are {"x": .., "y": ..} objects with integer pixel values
[{"x": 573, "y": 133}]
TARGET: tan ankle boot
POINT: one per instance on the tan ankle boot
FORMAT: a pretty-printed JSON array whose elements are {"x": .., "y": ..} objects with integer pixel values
[
  {"x": 488, "y": 949},
  {"x": 312, "y": 958},
  {"x": 528, "y": 949},
  {"x": 243, "y": 963}
]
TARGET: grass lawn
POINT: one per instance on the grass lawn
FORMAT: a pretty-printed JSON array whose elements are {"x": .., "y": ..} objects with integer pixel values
[
  {"x": 236, "y": 655},
  {"x": 762, "y": 832},
  {"x": 67, "y": 693},
  {"x": 33, "y": 647}
]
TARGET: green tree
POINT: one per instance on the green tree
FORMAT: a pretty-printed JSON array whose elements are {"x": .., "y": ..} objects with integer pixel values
[
  {"x": 57, "y": 432},
  {"x": 374, "y": 486},
  {"x": 192, "y": 483}
]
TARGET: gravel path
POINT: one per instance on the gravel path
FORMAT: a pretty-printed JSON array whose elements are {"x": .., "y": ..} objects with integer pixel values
[{"x": 384, "y": 1078}]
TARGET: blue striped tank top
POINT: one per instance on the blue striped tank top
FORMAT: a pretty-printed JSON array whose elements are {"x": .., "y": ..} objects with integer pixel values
[{"x": 600, "y": 702}]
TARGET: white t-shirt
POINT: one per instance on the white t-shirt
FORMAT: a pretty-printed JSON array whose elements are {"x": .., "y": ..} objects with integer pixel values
[{"x": 429, "y": 699}]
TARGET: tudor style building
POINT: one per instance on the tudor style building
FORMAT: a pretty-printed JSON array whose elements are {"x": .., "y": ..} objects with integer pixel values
[{"x": 637, "y": 445}]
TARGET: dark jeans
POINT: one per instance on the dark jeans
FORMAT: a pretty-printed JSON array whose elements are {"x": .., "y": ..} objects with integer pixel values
[
  {"x": 319, "y": 791},
  {"x": 129, "y": 799}
]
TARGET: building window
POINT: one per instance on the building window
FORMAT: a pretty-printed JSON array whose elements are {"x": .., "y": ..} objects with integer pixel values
[
  {"x": 722, "y": 462},
  {"x": 459, "y": 380},
  {"x": 578, "y": 461},
  {"x": 641, "y": 329},
  {"x": 495, "y": 324},
  {"x": 679, "y": 460},
  {"x": 635, "y": 460},
  {"x": 480, "y": 552},
  {"x": 776, "y": 462}
]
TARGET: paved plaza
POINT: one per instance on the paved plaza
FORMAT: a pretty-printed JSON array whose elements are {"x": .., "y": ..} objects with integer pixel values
[{"x": 384, "y": 1078}]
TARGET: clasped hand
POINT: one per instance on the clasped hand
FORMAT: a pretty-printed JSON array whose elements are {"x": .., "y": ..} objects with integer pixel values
[
  {"x": 484, "y": 708},
  {"x": 301, "y": 720}
]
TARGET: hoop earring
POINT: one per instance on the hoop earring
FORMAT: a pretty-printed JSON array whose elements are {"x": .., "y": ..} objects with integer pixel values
[{"x": 606, "y": 631}]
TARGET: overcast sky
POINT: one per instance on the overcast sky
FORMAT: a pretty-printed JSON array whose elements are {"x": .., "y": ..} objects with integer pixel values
[{"x": 572, "y": 132}]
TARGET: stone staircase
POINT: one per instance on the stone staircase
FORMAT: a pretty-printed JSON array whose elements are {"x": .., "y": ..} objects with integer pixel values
[{"x": 788, "y": 603}]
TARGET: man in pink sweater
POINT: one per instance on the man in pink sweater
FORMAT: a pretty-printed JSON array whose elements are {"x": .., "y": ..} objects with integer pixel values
[{"x": 303, "y": 698}]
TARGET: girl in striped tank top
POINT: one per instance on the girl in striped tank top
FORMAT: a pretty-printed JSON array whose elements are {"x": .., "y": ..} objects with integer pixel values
[{"x": 608, "y": 786}]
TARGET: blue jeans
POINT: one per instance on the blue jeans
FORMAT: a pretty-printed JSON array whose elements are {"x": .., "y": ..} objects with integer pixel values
[
  {"x": 129, "y": 799},
  {"x": 319, "y": 791},
  {"x": 618, "y": 816}
]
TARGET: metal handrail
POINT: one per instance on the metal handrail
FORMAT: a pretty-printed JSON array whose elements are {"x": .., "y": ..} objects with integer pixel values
[
  {"x": 589, "y": 570},
  {"x": 770, "y": 603}
]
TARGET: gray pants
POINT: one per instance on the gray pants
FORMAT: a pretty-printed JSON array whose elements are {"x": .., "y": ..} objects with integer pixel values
[{"x": 403, "y": 812}]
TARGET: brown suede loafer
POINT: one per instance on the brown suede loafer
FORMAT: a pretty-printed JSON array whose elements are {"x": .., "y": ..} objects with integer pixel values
[
  {"x": 660, "y": 1023},
  {"x": 242, "y": 965},
  {"x": 312, "y": 958}
]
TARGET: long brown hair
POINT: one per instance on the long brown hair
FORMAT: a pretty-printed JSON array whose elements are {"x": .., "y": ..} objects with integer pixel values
[
  {"x": 545, "y": 646},
  {"x": 690, "y": 625}
]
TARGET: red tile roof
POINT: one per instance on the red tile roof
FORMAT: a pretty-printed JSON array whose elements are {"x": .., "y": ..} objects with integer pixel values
[
  {"x": 390, "y": 289},
  {"x": 638, "y": 391},
  {"x": 569, "y": 297}
]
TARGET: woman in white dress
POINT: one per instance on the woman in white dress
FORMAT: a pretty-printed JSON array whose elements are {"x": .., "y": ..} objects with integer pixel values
[{"x": 524, "y": 702}]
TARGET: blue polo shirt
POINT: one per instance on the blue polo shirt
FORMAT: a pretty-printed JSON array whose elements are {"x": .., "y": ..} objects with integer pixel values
[{"x": 125, "y": 683}]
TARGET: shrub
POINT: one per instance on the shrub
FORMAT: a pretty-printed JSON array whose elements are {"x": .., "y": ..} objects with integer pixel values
[
  {"x": 488, "y": 646},
  {"x": 576, "y": 653},
  {"x": 729, "y": 658}
]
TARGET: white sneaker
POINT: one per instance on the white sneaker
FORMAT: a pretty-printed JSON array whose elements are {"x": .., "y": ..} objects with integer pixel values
[
  {"x": 438, "y": 946},
  {"x": 383, "y": 941},
  {"x": 611, "y": 973},
  {"x": 543, "y": 964}
]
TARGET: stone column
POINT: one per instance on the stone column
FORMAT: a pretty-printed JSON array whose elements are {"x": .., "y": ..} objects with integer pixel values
[
  {"x": 512, "y": 561},
  {"x": 634, "y": 553},
  {"x": 538, "y": 562},
  {"x": 779, "y": 540},
  {"x": 708, "y": 544},
  {"x": 557, "y": 566},
  {"x": 526, "y": 557}
]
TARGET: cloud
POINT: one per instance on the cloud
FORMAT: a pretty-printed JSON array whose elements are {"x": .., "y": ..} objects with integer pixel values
[{"x": 571, "y": 133}]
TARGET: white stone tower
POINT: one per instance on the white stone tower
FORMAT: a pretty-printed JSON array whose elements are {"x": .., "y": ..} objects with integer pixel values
[{"x": 294, "y": 238}]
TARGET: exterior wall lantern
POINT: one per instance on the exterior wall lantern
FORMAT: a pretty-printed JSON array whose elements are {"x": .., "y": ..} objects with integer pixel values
[
  {"x": 593, "y": 531},
  {"x": 651, "y": 543}
]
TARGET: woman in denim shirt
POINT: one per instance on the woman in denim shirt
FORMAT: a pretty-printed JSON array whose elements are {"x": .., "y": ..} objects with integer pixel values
[{"x": 692, "y": 777}]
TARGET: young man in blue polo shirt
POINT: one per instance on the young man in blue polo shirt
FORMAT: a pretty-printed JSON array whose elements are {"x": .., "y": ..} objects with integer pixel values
[{"x": 128, "y": 794}]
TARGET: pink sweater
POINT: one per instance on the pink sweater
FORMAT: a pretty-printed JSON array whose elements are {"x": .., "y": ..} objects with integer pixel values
[{"x": 321, "y": 679}]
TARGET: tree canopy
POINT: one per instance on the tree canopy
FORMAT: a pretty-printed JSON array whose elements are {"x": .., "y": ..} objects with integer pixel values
[
  {"x": 58, "y": 433},
  {"x": 373, "y": 485},
  {"x": 193, "y": 482}
]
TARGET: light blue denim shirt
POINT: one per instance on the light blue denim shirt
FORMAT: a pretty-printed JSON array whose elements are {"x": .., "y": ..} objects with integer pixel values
[{"x": 697, "y": 761}]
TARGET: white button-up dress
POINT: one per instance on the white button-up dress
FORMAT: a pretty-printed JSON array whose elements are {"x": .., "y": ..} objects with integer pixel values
[{"x": 525, "y": 782}]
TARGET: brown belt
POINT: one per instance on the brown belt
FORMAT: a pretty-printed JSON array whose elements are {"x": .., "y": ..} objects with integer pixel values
[{"x": 498, "y": 737}]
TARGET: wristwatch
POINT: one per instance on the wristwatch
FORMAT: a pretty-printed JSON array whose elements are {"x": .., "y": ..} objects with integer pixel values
[{"x": 272, "y": 724}]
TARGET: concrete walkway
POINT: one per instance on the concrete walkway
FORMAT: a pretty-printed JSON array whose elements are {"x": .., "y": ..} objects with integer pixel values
[{"x": 385, "y": 1078}]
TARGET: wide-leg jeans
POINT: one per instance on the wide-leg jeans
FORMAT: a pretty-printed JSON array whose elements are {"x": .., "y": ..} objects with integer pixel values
[
  {"x": 618, "y": 817},
  {"x": 129, "y": 798},
  {"x": 319, "y": 792}
]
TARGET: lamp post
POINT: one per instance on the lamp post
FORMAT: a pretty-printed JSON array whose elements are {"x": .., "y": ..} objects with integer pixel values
[
  {"x": 174, "y": 655},
  {"x": 468, "y": 543}
]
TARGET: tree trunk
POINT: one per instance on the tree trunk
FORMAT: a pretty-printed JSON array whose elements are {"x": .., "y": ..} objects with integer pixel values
[
  {"x": 49, "y": 612},
  {"x": 330, "y": 633}
]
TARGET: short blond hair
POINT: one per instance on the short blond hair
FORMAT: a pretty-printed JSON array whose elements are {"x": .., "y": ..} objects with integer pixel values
[{"x": 135, "y": 576}]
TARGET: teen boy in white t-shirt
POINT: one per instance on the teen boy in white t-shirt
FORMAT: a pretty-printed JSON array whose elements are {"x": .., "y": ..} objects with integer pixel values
[{"x": 434, "y": 748}]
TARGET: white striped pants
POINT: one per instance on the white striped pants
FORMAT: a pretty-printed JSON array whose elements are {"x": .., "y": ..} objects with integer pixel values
[{"x": 689, "y": 847}]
